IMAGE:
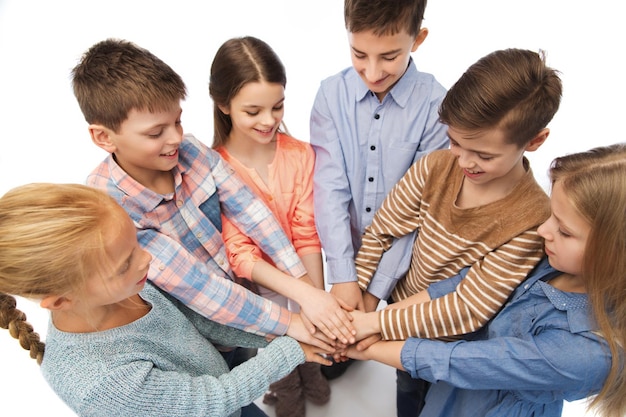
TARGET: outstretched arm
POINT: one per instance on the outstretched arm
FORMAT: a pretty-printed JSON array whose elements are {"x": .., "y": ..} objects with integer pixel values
[{"x": 319, "y": 306}]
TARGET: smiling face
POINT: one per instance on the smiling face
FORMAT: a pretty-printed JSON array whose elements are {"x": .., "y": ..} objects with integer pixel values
[
  {"x": 381, "y": 60},
  {"x": 486, "y": 157},
  {"x": 147, "y": 143},
  {"x": 256, "y": 112},
  {"x": 565, "y": 233}
]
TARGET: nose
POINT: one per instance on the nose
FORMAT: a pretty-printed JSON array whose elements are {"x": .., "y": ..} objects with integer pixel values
[
  {"x": 465, "y": 158},
  {"x": 372, "y": 71},
  {"x": 146, "y": 258},
  {"x": 268, "y": 118},
  {"x": 544, "y": 229},
  {"x": 175, "y": 136}
]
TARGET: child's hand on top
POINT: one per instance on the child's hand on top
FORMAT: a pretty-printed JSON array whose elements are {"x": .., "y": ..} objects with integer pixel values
[
  {"x": 301, "y": 333},
  {"x": 329, "y": 314}
]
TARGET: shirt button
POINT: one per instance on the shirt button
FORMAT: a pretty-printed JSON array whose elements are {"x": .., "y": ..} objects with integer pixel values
[
  {"x": 373, "y": 148},
  {"x": 368, "y": 209},
  {"x": 161, "y": 267},
  {"x": 377, "y": 116},
  {"x": 199, "y": 235},
  {"x": 371, "y": 179},
  {"x": 179, "y": 203}
]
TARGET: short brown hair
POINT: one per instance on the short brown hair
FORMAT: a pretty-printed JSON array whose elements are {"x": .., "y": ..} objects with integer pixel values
[
  {"x": 512, "y": 89},
  {"x": 384, "y": 17},
  {"x": 116, "y": 76}
]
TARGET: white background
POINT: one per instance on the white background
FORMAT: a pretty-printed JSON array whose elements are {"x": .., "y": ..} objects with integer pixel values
[{"x": 43, "y": 137}]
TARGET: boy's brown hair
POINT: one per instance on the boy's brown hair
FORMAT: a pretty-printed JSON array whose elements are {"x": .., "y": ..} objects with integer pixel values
[
  {"x": 384, "y": 17},
  {"x": 116, "y": 76},
  {"x": 512, "y": 89}
]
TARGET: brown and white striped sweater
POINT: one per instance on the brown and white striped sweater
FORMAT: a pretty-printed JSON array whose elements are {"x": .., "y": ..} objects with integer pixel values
[{"x": 498, "y": 241}]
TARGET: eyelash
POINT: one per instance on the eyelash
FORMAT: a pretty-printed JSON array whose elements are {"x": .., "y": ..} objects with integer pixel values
[
  {"x": 383, "y": 58},
  {"x": 564, "y": 234},
  {"x": 158, "y": 135},
  {"x": 124, "y": 269},
  {"x": 484, "y": 158},
  {"x": 273, "y": 109}
]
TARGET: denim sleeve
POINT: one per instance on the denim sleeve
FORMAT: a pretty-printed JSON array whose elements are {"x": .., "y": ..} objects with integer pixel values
[
  {"x": 443, "y": 287},
  {"x": 549, "y": 362}
]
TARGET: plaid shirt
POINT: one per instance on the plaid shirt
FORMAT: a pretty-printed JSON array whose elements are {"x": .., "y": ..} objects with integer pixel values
[{"x": 182, "y": 231}]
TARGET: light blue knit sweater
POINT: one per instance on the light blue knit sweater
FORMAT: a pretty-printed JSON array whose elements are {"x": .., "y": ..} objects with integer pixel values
[{"x": 162, "y": 365}]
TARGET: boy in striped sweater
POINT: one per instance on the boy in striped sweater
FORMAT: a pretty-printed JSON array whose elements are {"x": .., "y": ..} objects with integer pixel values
[{"x": 475, "y": 205}]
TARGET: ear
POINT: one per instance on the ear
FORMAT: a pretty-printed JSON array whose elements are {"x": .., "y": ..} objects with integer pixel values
[
  {"x": 223, "y": 109},
  {"x": 419, "y": 39},
  {"x": 538, "y": 140},
  {"x": 100, "y": 135},
  {"x": 56, "y": 303}
]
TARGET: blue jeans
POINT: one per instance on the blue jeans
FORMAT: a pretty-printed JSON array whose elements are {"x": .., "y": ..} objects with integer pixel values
[
  {"x": 252, "y": 410},
  {"x": 410, "y": 394},
  {"x": 238, "y": 355}
]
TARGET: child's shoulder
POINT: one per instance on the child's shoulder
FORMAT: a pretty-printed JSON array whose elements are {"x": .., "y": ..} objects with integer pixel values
[
  {"x": 193, "y": 148},
  {"x": 346, "y": 77},
  {"x": 440, "y": 157},
  {"x": 290, "y": 144}
]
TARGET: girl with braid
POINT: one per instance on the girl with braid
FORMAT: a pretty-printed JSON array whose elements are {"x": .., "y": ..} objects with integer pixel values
[{"x": 117, "y": 345}]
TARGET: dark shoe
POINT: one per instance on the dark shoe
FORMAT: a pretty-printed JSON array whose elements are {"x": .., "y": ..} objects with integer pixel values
[
  {"x": 336, "y": 369},
  {"x": 287, "y": 395},
  {"x": 314, "y": 384}
]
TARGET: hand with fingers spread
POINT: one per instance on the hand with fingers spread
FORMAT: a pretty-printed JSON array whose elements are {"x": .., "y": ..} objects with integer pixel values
[
  {"x": 301, "y": 333},
  {"x": 329, "y": 315}
]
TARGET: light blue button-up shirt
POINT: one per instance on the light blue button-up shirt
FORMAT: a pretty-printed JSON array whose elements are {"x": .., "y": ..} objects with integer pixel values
[
  {"x": 539, "y": 350},
  {"x": 363, "y": 147}
]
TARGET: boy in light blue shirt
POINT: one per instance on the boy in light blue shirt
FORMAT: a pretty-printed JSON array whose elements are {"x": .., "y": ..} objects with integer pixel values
[{"x": 369, "y": 124}]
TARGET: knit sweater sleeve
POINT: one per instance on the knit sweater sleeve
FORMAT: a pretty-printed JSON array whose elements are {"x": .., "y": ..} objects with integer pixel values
[
  {"x": 140, "y": 388},
  {"x": 477, "y": 298},
  {"x": 162, "y": 365}
]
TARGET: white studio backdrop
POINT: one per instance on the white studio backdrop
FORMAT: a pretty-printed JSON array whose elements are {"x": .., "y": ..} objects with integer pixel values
[{"x": 44, "y": 138}]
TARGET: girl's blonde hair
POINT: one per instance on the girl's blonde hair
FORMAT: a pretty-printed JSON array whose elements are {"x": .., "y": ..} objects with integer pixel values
[
  {"x": 51, "y": 240},
  {"x": 595, "y": 184}
]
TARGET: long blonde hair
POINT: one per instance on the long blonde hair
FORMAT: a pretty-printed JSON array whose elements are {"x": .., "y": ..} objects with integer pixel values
[
  {"x": 51, "y": 239},
  {"x": 595, "y": 184}
]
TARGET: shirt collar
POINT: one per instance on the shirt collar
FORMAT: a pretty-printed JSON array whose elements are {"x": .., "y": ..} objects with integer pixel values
[
  {"x": 142, "y": 196},
  {"x": 576, "y": 305},
  {"x": 400, "y": 92}
]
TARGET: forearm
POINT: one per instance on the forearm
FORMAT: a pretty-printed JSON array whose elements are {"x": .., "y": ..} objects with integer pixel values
[
  {"x": 270, "y": 277},
  {"x": 315, "y": 269},
  {"x": 366, "y": 324},
  {"x": 178, "y": 273},
  {"x": 420, "y": 297},
  {"x": 384, "y": 352}
]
